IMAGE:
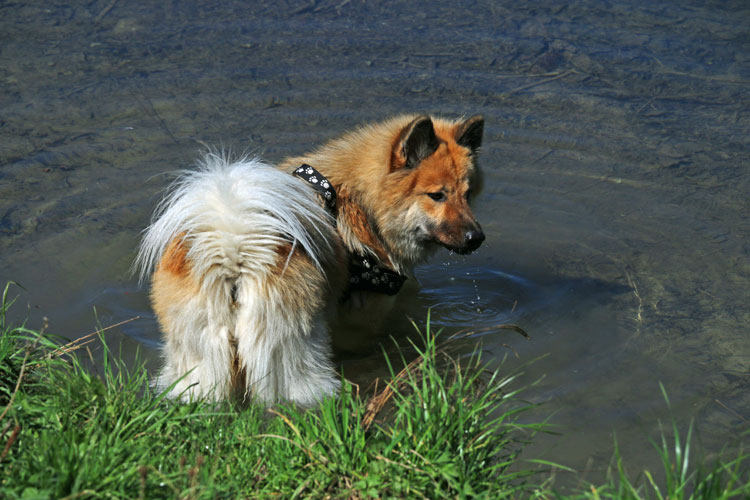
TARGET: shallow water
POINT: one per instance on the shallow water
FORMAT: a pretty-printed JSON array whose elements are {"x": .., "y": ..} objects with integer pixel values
[{"x": 615, "y": 153}]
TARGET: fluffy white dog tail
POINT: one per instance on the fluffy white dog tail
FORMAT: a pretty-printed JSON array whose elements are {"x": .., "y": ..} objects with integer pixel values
[{"x": 236, "y": 213}]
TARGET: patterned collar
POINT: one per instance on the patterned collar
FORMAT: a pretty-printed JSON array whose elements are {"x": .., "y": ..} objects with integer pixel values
[{"x": 364, "y": 273}]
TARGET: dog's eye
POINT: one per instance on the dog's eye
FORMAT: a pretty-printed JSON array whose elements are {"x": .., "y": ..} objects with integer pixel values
[{"x": 439, "y": 196}]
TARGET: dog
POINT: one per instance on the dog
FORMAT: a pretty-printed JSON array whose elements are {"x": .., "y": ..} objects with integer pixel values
[{"x": 255, "y": 265}]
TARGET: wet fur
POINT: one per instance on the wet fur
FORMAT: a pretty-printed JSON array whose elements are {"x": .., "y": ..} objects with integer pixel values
[{"x": 249, "y": 272}]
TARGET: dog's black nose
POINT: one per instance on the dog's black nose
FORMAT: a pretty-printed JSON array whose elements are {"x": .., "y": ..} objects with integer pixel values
[{"x": 474, "y": 239}]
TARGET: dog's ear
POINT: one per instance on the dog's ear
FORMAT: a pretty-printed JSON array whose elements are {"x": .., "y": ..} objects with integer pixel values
[
  {"x": 469, "y": 133},
  {"x": 418, "y": 141}
]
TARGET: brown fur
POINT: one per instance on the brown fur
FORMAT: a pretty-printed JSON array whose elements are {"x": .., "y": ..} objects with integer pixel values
[{"x": 172, "y": 283}]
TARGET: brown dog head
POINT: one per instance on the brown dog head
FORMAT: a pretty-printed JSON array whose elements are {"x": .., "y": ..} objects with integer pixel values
[{"x": 433, "y": 175}]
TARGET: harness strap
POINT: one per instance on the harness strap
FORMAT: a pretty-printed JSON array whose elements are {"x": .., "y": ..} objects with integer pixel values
[
  {"x": 320, "y": 184},
  {"x": 364, "y": 273},
  {"x": 368, "y": 276}
]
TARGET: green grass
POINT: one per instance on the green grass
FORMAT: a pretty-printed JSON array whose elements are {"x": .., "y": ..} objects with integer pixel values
[
  {"x": 443, "y": 434},
  {"x": 443, "y": 427},
  {"x": 725, "y": 478}
]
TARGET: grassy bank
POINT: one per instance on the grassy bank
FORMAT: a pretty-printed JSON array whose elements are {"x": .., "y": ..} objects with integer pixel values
[{"x": 439, "y": 428}]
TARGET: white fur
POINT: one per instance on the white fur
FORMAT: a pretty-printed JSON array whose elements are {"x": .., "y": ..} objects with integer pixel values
[{"x": 234, "y": 216}]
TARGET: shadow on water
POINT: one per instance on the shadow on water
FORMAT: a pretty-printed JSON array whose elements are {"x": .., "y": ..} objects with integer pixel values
[{"x": 615, "y": 159}]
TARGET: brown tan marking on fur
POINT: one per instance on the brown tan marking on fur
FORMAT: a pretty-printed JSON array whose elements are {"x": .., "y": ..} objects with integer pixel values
[
  {"x": 351, "y": 214},
  {"x": 174, "y": 258},
  {"x": 298, "y": 283},
  {"x": 172, "y": 283}
]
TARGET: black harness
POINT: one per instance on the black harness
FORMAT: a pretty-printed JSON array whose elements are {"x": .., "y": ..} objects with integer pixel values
[{"x": 364, "y": 273}]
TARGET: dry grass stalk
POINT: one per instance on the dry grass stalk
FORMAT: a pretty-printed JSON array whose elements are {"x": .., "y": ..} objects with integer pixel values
[{"x": 76, "y": 344}]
